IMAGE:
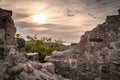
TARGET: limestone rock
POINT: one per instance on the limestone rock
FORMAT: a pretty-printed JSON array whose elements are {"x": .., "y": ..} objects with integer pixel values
[
  {"x": 13, "y": 62},
  {"x": 7, "y": 30},
  {"x": 20, "y": 44},
  {"x": 32, "y": 56},
  {"x": 50, "y": 67},
  {"x": 26, "y": 71},
  {"x": 95, "y": 57}
]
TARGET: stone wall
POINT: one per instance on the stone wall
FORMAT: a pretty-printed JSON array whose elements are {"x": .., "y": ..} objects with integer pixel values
[{"x": 96, "y": 57}]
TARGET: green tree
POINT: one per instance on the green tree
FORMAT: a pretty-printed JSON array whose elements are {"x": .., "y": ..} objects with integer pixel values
[{"x": 43, "y": 47}]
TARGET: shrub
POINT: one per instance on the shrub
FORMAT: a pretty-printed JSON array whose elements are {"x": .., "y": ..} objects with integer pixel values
[{"x": 44, "y": 47}]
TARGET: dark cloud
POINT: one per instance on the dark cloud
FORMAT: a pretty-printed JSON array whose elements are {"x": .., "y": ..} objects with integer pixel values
[
  {"x": 24, "y": 25},
  {"x": 21, "y": 15},
  {"x": 99, "y": 0}
]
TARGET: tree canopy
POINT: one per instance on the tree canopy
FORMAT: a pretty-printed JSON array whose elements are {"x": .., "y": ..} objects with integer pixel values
[{"x": 44, "y": 47}]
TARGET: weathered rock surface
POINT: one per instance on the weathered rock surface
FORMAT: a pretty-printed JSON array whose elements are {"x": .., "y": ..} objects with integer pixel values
[
  {"x": 95, "y": 57},
  {"x": 13, "y": 62},
  {"x": 32, "y": 56}
]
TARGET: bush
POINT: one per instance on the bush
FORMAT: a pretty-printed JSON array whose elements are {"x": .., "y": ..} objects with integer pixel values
[{"x": 44, "y": 47}]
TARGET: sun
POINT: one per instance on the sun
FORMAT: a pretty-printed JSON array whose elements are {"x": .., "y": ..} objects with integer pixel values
[{"x": 39, "y": 18}]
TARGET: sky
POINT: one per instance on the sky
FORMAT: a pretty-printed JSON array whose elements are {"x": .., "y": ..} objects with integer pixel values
[{"x": 60, "y": 19}]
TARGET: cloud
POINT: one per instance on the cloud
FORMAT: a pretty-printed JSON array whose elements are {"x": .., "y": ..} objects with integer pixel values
[
  {"x": 56, "y": 28},
  {"x": 66, "y": 19},
  {"x": 21, "y": 15},
  {"x": 49, "y": 30}
]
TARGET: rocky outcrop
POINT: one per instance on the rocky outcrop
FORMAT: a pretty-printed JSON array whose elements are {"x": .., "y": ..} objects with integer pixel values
[
  {"x": 13, "y": 62},
  {"x": 32, "y": 56},
  {"x": 20, "y": 44},
  {"x": 95, "y": 57},
  {"x": 7, "y": 30}
]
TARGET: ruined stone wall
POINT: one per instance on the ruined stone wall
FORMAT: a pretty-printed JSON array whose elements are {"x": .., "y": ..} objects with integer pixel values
[{"x": 96, "y": 57}]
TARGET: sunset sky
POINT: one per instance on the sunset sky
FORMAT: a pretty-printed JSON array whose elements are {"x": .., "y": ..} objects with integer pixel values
[{"x": 59, "y": 19}]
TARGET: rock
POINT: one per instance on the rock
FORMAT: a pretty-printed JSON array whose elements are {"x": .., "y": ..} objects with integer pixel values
[
  {"x": 10, "y": 31},
  {"x": 37, "y": 65},
  {"x": 2, "y": 55},
  {"x": 20, "y": 42},
  {"x": 119, "y": 11},
  {"x": 7, "y": 28},
  {"x": 32, "y": 56},
  {"x": 14, "y": 64},
  {"x": 73, "y": 44},
  {"x": 2, "y": 36},
  {"x": 105, "y": 69},
  {"x": 95, "y": 57},
  {"x": 50, "y": 67},
  {"x": 14, "y": 70},
  {"x": 4, "y": 14},
  {"x": 8, "y": 46},
  {"x": 47, "y": 58}
]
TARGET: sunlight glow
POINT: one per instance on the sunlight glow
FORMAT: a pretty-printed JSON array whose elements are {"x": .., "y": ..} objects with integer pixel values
[{"x": 39, "y": 18}]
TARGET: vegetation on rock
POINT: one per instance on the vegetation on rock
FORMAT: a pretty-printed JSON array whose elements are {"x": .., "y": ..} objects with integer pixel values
[{"x": 44, "y": 47}]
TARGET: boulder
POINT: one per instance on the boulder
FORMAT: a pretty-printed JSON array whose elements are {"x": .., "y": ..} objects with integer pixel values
[{"x": 32, "y": 56}]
